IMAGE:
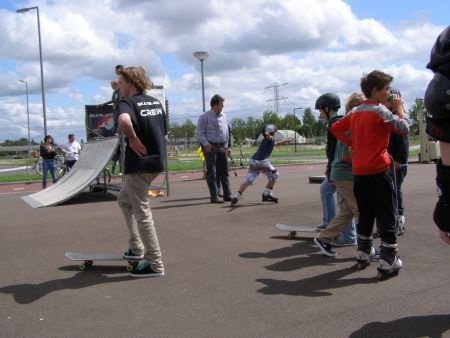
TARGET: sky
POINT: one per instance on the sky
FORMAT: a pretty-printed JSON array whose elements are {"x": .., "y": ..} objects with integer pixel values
[{"x": 312, "y": 47}]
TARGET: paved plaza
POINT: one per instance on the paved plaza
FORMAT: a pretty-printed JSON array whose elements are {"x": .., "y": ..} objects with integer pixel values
[{"x": 229, "y": 272}]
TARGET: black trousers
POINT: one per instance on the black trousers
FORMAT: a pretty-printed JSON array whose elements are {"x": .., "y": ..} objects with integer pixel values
[
  {"x": 375, "y": 198},
  {"x": 217, "y": 162}
]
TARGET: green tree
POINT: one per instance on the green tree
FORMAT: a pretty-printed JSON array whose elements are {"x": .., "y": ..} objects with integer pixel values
[
  {"x": 238, "y": 129},
  {"x": 188, "y": 129},
  {"x": 270, "y": 117},
  {"x": 291, "y": 122},
  {"x": 309, "y": 123},
  {"x": 415, "y": 114},
  {"x": 253, "y": 127}
]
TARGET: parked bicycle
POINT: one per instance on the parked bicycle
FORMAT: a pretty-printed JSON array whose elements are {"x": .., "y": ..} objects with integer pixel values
[
  {"x": 239, "y": 162},
  {"x": 37, "y": 162}
]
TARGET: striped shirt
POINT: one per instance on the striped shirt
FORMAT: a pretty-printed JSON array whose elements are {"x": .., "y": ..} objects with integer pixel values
[{"x": 212, "y": 128}]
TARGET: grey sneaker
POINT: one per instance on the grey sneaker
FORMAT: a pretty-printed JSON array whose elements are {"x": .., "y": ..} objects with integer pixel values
[{"x": 129, "y": 254}]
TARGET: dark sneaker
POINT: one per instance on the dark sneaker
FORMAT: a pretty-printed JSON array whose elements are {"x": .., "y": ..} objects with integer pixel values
[
  {"x": 227, "y": 198},
  {"x": 144, "y": 269},
  {"x": 325, "y": 247},
  {"x": 321, "y": 227},
  {"x": 217, "y": 200},
  {"x": 269, "y": 198},
  {"x": 131, "y": 255}
]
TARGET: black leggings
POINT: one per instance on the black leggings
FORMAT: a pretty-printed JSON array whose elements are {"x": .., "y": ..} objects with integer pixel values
[{"x": 375, "y": 198}]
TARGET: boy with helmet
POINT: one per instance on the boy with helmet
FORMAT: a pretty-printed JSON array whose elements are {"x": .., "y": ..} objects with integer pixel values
[
  {"x": 370, "y": 125},
  {"x": 259, "y": 163},
  {"x": 328, "y": 105}
]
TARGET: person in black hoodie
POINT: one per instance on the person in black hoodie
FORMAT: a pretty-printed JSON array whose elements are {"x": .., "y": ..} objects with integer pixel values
[
  {"x": 437, "y": 103},
  {"x": 399, "y": 150}
]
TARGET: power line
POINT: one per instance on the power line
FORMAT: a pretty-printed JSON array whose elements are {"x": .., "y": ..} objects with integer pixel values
[{"x": 276, "y": 97}]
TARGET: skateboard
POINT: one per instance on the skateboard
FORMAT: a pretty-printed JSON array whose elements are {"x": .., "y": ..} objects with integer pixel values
[
  {"x": 316, "y": 179},
  {"x": 87, "y": 260},
  {"x": 294, "y": 229}
]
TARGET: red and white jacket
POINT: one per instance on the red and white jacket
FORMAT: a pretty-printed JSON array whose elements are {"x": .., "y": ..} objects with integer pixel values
[{"x": 369, "y": 125}]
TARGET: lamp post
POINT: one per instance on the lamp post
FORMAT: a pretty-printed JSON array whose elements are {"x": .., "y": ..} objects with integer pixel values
[
  {"x": 202, "y": 56},
  {"x": 295, "y": 133},
  {"x": 28, "y": 122},
  {"x": 23, "y": 10}
]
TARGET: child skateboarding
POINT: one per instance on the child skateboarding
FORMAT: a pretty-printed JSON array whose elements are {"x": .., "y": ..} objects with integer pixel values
[{"x": 259, "y": 163}]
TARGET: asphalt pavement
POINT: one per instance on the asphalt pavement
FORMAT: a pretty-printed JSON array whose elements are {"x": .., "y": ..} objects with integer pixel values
[{"x": 229, "y": 271}]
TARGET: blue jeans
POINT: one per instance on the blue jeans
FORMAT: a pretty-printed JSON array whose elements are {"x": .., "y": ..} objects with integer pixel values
[
  {"x": 48, "y": 165},
  {"x": 349, "y": 233},
  {"x": 400, "y": 175},
  {"x": 327, "y": 192}
]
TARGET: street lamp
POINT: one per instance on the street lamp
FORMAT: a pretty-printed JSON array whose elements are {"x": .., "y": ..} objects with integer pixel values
[
  {"x": 202, "y": 56},
  {"x": 295, "y": 133},
  {"x": 28, "y": 119},
  {"x": 23, "y": 10}
]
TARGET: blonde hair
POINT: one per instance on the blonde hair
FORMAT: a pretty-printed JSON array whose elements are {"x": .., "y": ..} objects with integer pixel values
[
  {"x": 353, "y": 101},
  {"x": 138, "y": 77}
]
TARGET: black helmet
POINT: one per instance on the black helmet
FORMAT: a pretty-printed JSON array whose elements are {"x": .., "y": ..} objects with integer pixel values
[
  {"x": 268, "y": 128},
  {"x": 329, "y": 100}
]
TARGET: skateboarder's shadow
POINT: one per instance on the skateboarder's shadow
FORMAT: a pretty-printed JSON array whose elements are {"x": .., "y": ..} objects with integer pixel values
[
  {"x": 315, "y": 286},
  {"x": 28, "y": 293},
  {"x": 417, "y": 326},
  {"x": 299, "y": 255},
  {"x": 296, "y": 249}
]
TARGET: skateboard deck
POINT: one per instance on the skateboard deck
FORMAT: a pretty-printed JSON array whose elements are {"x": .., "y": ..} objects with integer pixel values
[
  {"x": 316, "y": 179},
  {"x": 87, "y": 260},
  {"x": 294, "y": 229}
]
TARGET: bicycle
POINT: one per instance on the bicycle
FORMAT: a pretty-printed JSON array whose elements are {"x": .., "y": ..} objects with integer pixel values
[
  {"x": 37, "y": 165},
  {"x": 242, "y": 160},
  {"x": 62, "y": 170},
  {"x": 99, "y": 184}
]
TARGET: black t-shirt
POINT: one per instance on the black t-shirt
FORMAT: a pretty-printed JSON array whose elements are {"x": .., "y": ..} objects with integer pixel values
[
  {"x": 46, "y": 154},
  {"x": 264, "y": 150},
  {"x": 148, "y": 119}
]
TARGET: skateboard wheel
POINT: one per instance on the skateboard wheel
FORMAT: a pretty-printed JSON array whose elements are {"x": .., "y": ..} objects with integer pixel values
[
  {"x": 82, "y": 266},
  {"x": 292, "y": 234},
  {"x": 130, "y": 267}
]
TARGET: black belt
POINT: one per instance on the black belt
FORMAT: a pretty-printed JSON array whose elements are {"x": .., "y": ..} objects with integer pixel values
[{"x": 217, "y": 143}]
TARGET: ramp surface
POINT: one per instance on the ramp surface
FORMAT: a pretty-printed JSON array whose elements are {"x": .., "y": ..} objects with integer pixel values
[{"x": 93, "y": 158}]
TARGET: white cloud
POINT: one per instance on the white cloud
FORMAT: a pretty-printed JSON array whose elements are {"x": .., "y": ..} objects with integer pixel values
[{"x": 315, "y": 46}]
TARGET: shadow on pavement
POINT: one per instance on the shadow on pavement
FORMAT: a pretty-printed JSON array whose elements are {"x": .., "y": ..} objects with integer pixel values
[
  {"x": 28, "y": 293},
  {"x": 418, "y": 326},
  {"x": 314, "y": 286},
  {"x": 302, "y": 255},
  {"x": 90, "y": 197}
]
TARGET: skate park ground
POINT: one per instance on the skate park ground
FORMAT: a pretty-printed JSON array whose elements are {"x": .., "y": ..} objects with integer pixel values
[{"x": 229, "y": 271}]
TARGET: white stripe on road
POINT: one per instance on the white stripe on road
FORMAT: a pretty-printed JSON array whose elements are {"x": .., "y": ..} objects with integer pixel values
[{"x": 12, "y": 169}]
